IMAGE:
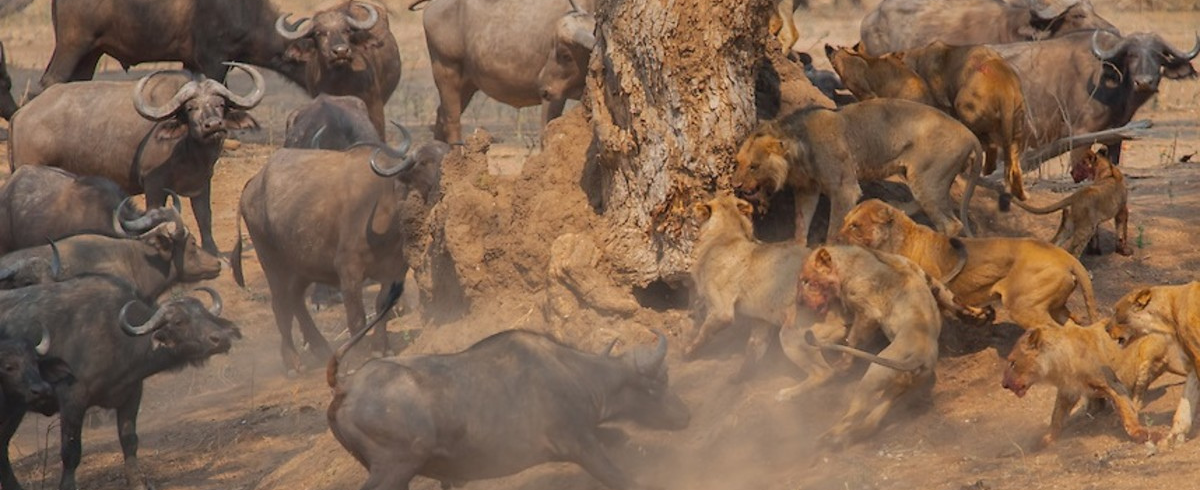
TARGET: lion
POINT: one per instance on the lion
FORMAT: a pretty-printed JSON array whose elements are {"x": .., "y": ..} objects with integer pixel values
[
  {"x": 1172, "y": 311},
  {"x": 820, "y": 151},
  {"x": 737, "y": 275},
  {"x": 1084, "y": 210},
  {"x": 880, "y": 292},
  {"x": 1080, "y": 362},
  {"x": 1032, "y": 279}
]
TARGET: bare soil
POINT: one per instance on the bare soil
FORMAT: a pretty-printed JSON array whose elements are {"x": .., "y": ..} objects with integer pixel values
[{"x": 239, "y": 423}]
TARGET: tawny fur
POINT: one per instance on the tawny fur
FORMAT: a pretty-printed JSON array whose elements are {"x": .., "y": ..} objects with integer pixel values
[
  {"x": 1083, "y": 211},
  {"x": 1032, "y": 279}
]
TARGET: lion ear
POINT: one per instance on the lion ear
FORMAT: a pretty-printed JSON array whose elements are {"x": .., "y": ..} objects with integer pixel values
[
  {"x": 823, "y": 259},
  {"x": 745, "y": 208},
  {"x": 775, "y": 145},
  {"x": 702, "y": 211},
  {"x": 1033, "y": 339},
  {"x": 1142, "y": 298}
]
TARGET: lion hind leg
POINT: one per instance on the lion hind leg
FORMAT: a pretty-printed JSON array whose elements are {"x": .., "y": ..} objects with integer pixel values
[
  {"x": 1181, "y": 423},
  {"x": 715, "y": 321}
]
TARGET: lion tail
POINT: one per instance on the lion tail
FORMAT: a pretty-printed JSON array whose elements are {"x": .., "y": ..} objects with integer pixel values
[
  {"x": 1085, "y": 286},
  {"x": 1066, "y": 201},
  {"x": 973, "y": 172}
]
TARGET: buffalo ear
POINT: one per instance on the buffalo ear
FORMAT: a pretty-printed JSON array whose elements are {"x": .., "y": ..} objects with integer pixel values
[
  {"x": 300, "y": 51},
  {"x": 702, "y": 211},
  {"x": 237, "y": 119},
  {"x": 1142, "y": 298},
  {"x": 55, "y": 370},
  {"x": 171, "y": 129},
  {"x": 160, "y": 237},
  {"x": 1178, "y": 70}
]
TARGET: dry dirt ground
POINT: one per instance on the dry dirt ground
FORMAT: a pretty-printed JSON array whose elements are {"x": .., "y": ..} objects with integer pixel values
[{"x": 238, "y": 423}]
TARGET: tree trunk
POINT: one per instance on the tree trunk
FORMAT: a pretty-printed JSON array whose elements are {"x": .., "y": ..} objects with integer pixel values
[{"x": 672, "y": 92}]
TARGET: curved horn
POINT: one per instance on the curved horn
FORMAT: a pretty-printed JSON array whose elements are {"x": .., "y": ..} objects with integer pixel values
[
  {"x": 176, "y": 202},
  {"x": 608, "y": 350},
  {"x": 316, "y": 139},
  {"x": 656, "y": 358},
  {"x": 399, "y": 152},
  {"x": 1102, "y": 54},
  {"x": 44, "y": 346},
  {"x": 55, "y": 261},
  {"x": 151, "y": 325},
  {"x": 1188, "y": 56},
  {"x": 289, "y": 30},
  {"x": 575, "y": 7},
  {"x": 217, "y": 305},
  {"x": 134, "y": 226},
  {"x": 372, "y": 17},
  {"x": 248, "y": 101},
  {"x": 164, "y": 111},
  {"x": 584, "y": 38}
]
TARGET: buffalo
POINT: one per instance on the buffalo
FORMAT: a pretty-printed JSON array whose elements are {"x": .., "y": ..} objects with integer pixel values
[
  {"x": 1090, "y": 81},
  {"x": 152, "y": 262},
  {"x": 27, "y": 375},
  {"x": 41, "y": 203},
  {"x": 8, "y": 105},
  {"x": 511, "y": 401},
  {"x": 344, "y": 55},
  {"x": 538, "y": 57},
  {"x": 900, "y": 25},
  {"x": 353, "y": 222},
  {"x": 201, "y": 34},
  {"x": 330, "y": 122},
  {"x": 170, "y": 136},
  {"x": 112, "y": 339}
]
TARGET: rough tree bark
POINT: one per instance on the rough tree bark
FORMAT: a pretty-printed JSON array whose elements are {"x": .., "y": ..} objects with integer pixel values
[{"x": 672, "y": 92}]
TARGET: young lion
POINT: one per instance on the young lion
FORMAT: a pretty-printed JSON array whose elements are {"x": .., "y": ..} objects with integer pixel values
[
  {"x": 818, "y": 151},
  {"x": 1083, "y": 211},
  {"x": 1173, "y": 311},
  {"x": 1079, "y": 361},
  {"x": 1031, "y": 278},
  {"x": 884, "y": 292},
  {"x": 735, "y": 274}
]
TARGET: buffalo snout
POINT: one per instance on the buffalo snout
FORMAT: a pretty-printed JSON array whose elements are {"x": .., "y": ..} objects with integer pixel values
[
  {"x": 1145, "y": 84},
  {"x": 671, "y": 413}
]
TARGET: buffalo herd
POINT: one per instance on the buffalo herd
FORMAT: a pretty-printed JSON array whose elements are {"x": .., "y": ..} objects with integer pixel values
[{"x": 86, "y": 313}]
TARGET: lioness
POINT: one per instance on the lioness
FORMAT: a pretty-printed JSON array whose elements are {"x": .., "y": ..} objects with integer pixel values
[
  {"x": 1173, "y": 311},
  {"x": 1084, "y": 210},
  {"x": 1080, "y": 362},
  {"x": 1031, "y": 278},
  {"x": 887, "y": 292},
  {"x": 735, "y": 274},
  {"x": 819, "y": 151}
]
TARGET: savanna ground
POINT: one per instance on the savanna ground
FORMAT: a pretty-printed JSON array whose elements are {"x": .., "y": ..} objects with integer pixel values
[{"x": 239, "y": 423}]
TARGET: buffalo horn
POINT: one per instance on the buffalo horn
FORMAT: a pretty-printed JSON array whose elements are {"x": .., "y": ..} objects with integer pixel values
[
  {"x": 372, "y": 17},
  {"x": 167, "y": 110},
  {"x": 584, "y": 38},
  {"x": 130, "y": 227},
  {"x": 1190, "y": 55},
  {"x": 289, "y": 30},
  {"x": 608, "y": 350},
  {"x": 44, "y": 346},
  {"x": 175, "y": 201},
  {"x": 55, "y": 261},
  {"x": 151, "y": 325},
  {"x": 393, "y": 154},
  {"x": 248, "y": 101},
  {"x": 1102, "y": 54},
  {"x": 3, "y": 56},
  {"x": 316, "y": 139},
  {"x": 656, "y": 358},
  {"x": 575, "y": 7},
  {"x": 217, "y": 305}
]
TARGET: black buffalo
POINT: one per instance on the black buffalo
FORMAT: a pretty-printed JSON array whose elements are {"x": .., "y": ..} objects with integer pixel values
[
  {"x": 109, "y": 356},
  {"x": 330, "y": 122},
  {"x": 509, "y": 402}
]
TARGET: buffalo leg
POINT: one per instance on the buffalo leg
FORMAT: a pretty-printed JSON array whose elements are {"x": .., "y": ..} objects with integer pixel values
[
  {"x": 71, "y": 421},
  {"x": 127, "y": 433},
  {"x": 551, "y": 109},
  {"x": 455, "y": 93},
  {"x": 13, "y": 414},
  {"x": 589, "y": 454},
  {"x": 388, "y": 475},
  {"x": 284, "y": 304},
  {"x": 202, "y": 208},
  {"x": 317, "y": 345},
  {"x": 85, "y": 69},
  {"x": 352, "y": 299},
  {"x": 68, "y": 51},
  {"x": 383, "y": 308}
]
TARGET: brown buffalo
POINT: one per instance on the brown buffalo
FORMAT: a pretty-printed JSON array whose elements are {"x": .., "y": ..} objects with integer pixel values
[
  {"x": 40, "y": 203},
  {"x": 972, "y": 83},
  {"x": 169, "y": 137},
  {"x": 318, "y": 216},
  {"x": 345, "y": 55},
  {"x": 539, "y": 57},
  {"x": 898, "y": 25},
  {"x": 330, "y": 122}
]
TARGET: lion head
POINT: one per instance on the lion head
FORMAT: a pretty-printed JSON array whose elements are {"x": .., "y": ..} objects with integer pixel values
[
  {"x": 871, "y": 224},
  {"x": 723, "y": 213},
  {"x": 819, "y": 283},
  {"x": 762, "y": 164}
]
